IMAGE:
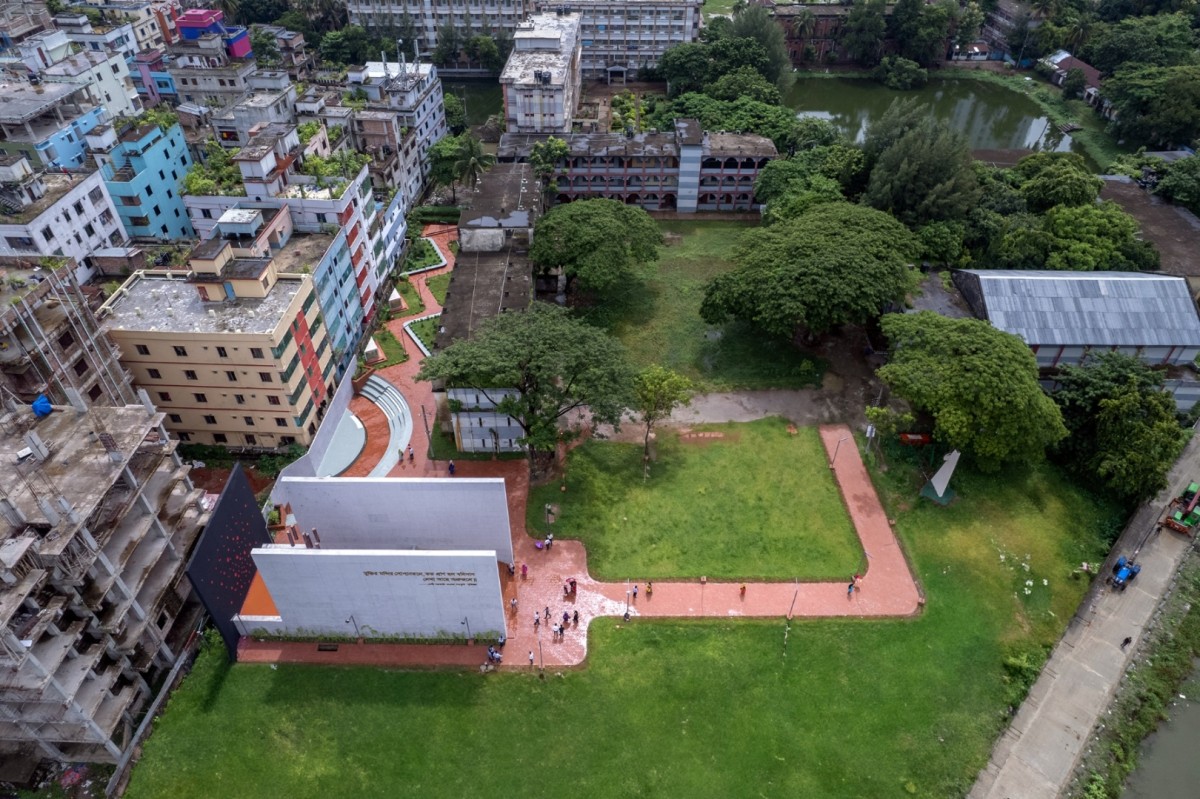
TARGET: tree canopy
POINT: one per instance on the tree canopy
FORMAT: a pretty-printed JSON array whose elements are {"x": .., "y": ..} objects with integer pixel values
[
  {"x": 745, "y": 114},
  {"x": 1049, "y": 179},
  {"x": 979, "y": 383},
  {"x": 1163, "y": 40},
  {"x": 743, "y": 82},
  {"x": 835, "y": 264},
  {"x": 554, "y": 364},
  {"x": 865, "y": 30},
  {"x": 1085, "y": 238},
  {"x": 926, "y": 175},
  {"x": 1156, "y": 105},
  {"x": 1181, "y": 183},
  {"x": 1122, "y": 424},
  {"x": 657, "y": 391},
  {"x": 596, "y": 242},
  {"x": 757, "y": 23}
]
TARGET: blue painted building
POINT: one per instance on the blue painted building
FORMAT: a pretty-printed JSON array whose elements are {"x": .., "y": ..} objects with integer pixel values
[
  {"x": 148, "y": 70},
  {"x": 337, "y": 295},
  {"x": 142, "y": 167},
  {"x": 48, "y": 124}
]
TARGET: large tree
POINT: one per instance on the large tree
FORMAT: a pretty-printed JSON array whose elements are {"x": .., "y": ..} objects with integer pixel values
[
  {"x": 471, "y": 161},
  {"x": 1181, "y": 183},
  {"x": 1156, "y": 105},
  {"x": 442, "y": 157},
  {"x": 554, "y": 366},
  {"x": 864, "y": 31},
  {"x": 657, "y": 391},
  {"x": 1049, "y": 179},
  {"x": 743, "y": 82},
  {"x": 979, "y": 383},
  {"x": 544, "y": 158},
  {"x": 755, "y": 22},
  {"x": 1163, "y": 40},
  {"x": 1122, "y": 424},
  {"x": 925, "y": 176},
  {"x": 833, "y": 265},
  {"x": 595, "y": 242}
]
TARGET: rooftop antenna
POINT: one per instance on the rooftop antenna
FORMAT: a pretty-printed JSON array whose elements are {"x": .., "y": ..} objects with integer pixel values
[{"x": 400, "y": 52}]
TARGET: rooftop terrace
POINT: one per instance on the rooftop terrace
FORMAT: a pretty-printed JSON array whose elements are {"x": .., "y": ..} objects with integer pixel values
[
  {"x": 161, "y": 302},
  {"x": 57, "y": 185}
]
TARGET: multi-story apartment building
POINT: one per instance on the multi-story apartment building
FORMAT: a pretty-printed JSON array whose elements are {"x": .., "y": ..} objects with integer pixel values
[
  {"x": 273, "y": 176},
  {"x": 20, "y": 20},
  {"x": 413, "y": 92},
  {"x": 686, "y": 170},
  {"x": 294, "y": 57},
  {"x": 619, "y": 37},
  {"x": 471, "y": 17},
  {"x": 48, "y": 123},
  {"x": 141, "y": 165},
  {"x": 271, "y": 100},
  {"x": 104, "y": 78},
  {"x": 154, "y": 84},
  {"x": 236, "y": 352},
  {"x": 36, "y": 52},
  {"x": 55, "y": 214},
  {"x": 97, "y": 520},
  {"x": 542, "y": 76},
  {"x": 153, "y": 21},
  {"x": 50, "y": 343},
  {"x": 99, "y": 38},
  {"x": 212, "y": 62}
]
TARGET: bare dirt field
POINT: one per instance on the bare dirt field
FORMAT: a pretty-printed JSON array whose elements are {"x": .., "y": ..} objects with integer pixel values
[{"x": 1174, "y": 231}]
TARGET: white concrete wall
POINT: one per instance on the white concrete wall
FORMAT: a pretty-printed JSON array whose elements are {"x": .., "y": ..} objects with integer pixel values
[
  {"x": 388, "y": 513},
  {"x": 387, "y": 593}
]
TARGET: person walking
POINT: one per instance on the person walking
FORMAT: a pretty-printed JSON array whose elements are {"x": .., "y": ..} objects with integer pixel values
[
  {"x": 554, "y": 632},
  {"x": 546, "y": 612},
  {"x": 1128, "y": 640},
  {"x": 512, "y": 569},
  {"x": 649, "y": 589},
  {"x": 537, "y": 619},
  {"x": 743, "y": 591},
  {"x": 575, "y": 618},
  {"x": 858, "y": 582},
  {"x": 530, "y": 657},
  {"x": 411, "y": 456},
  {"x": 850, "y": 590},
  {"x": 524, "y": 571},
  {"x": 451, "y": 468},
  {"x": 512, "y": 603},
  {"x": 635, "y": 592}
]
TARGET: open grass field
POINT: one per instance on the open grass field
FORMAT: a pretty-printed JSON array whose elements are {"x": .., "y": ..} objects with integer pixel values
[
  {"x": 757, "y": 504},
  {"x": 438, "y": 285},
  {"x": 658, "y": 318},
  {"x": 675, "y": 708}
]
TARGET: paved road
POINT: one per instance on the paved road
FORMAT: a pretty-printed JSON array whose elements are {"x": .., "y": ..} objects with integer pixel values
[{"x": 1037, "y": 757}]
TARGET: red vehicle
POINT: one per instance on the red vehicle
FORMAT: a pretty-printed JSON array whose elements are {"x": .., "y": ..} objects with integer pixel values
[{"x": 1182, "y": 514}]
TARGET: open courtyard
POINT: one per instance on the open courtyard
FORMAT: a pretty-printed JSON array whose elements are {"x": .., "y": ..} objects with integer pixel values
[
  {"x": 731, "y": 502},
  {"x": 828, "y": 707}
]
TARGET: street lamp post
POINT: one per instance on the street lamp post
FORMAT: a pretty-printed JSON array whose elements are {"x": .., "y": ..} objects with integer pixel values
[
  {"x": 351, "y": 620},
  {"x": 835, "y": 451},
  {"x": 467, "y": 622}
]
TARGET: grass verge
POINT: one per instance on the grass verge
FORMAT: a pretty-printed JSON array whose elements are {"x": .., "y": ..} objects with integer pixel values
[
  {"x": 658, "y": 318},
  {"x": 438, "y": 285},
  {"x": 412, "y": 299},
  {"x": 426, "y": 330},
  {"x": 758, "y": 503},
  {"x": 393, "y": 350},
  {"x": 715, "y": 708}
]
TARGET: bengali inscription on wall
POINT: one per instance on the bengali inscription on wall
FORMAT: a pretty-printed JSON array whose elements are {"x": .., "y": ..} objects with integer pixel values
[{"x": 430, "y": 578}]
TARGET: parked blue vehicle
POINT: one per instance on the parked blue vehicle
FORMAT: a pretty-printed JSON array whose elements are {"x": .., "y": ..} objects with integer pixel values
[{"x": 1124, "y": 573}]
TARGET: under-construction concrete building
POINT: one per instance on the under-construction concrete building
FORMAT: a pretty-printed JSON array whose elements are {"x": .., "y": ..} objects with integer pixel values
[
  {"x": 50, "y": 342},
  {"x": 97, "y": 518}
]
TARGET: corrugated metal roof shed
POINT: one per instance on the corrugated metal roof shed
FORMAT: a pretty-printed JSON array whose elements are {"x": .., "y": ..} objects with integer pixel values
[{"x": 1090, "y": 308}]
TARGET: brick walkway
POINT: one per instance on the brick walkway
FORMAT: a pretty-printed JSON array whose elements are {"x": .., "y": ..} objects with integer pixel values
[{"x": 888, "y": 589}]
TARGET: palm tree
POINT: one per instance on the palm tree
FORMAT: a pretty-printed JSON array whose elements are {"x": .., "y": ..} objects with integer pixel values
[
  {"x": 472, "y": 161},
  {"x": 1079, "y": 30},
  {"x": 804, "y": 23}
]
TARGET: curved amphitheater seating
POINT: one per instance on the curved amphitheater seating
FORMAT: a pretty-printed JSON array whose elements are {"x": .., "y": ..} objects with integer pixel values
[{"x": 392, "y": 403}]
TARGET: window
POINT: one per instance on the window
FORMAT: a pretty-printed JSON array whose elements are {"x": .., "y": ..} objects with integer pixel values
[
  {"x": 80, "y": 367},
  {"x": 210, "y": 419},
  {"x": 47, "y": 234},
  {"x": 190, "y": 374},
  {"x": 164, "y": 396},
  {"x": 272, "y": 399},
  {"x": 205, "y": 213},
  {"x": 88, "y": 229},
  {"x": 232, "y": 376},
  {"x": 222, "y": 352},
  {"x": 219, "y": 438},
  {"x": 175, "y": 418},
  {"x": 264, "y": 376},
  {"x": 251, "y": 440},
  {"x": 66, "y": 340},
  {"x": 78, "y": 206},
  {"x": 256, "y": 352},
  {"x": 280, "y": 421},
  {"x": 185, "y": 436},
  {"x": 240, "y": 399},
  {"x": 181, "y": 351},
  {"x": 287, "y": 440},
  {"x": 249, "y": 420},
  {"x": 201, "y": 397},
  {"x": 154, "y": 374}
]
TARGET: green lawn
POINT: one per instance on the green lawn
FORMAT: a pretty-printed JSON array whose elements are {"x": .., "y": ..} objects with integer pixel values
[
  {"x": 711, "y": 7},
  {"x": 438, "y": 285},
  {"x": 658, "y": 319},
  {"x": 758, "y": 504},
  {"x": 673, "y": 708},
  {"x": 426, "y": 330}
]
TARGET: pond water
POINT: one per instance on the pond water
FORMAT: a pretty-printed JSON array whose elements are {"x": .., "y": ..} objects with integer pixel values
[
  {"x": 991, "y": 116},
  {"x": 1167, "y": 764}
]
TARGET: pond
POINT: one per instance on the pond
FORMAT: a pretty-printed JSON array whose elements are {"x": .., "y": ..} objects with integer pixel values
[
  {"x": 1167, "y": 765},
  {"x": 992, "y": 117}
]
